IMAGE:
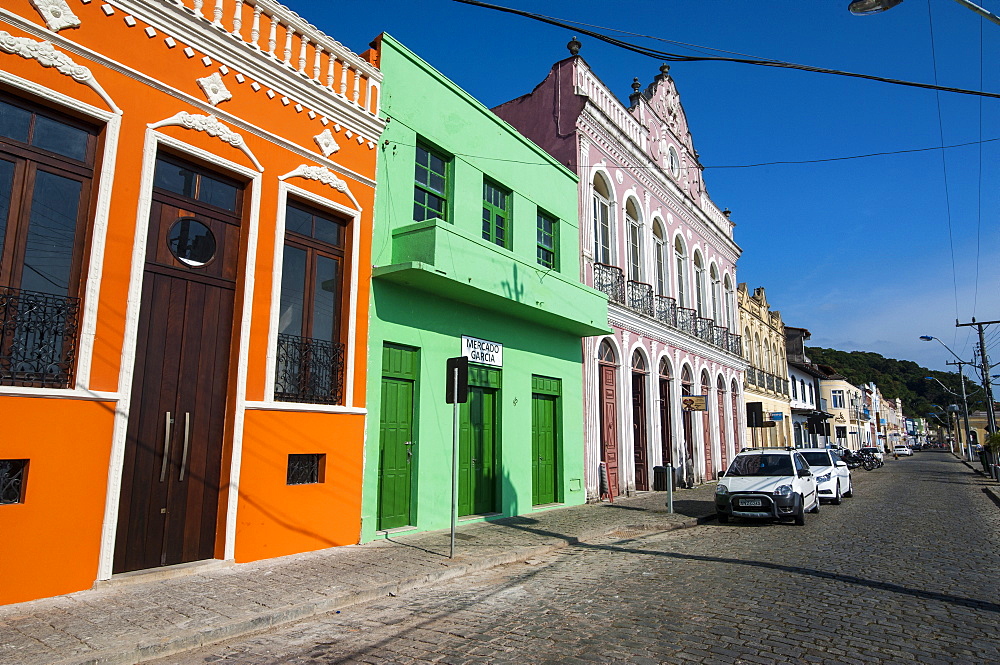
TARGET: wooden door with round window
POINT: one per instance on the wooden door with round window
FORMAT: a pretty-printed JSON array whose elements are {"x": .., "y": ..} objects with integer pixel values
[{"x": 168, "y": 512}]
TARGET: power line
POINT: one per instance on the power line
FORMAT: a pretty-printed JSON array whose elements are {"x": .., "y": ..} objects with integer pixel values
[{"x": 676, "y": 57}]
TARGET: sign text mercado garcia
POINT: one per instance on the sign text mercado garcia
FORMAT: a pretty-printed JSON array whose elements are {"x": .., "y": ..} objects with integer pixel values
[{"x": 482, "y": 352}]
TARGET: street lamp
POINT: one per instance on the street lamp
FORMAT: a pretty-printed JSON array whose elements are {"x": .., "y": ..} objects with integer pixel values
[
  {"x": 865, "y": 7},
  {"x": 965, "y": 402}
]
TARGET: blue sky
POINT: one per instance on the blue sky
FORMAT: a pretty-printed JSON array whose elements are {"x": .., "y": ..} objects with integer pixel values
[{"x": 858, "y": 251}]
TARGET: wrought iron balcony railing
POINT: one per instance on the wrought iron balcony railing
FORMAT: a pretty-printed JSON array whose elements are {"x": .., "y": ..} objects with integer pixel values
[
  {"x": 309, "y": 370},
  {"x": 38, "y": 338},
  {"x": 666, "y": 310},
  {"x": 640, "y": 297},
  {"x": 610, "y": 280}
]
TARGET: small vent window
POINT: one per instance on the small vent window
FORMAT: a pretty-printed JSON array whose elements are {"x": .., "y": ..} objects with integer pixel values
[
  {"x": 306, "y": 469},
  {"x": 13, "y": 474}
]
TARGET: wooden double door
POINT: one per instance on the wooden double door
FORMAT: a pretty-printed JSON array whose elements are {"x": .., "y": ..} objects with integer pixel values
[{"x": 169, "y": 508}]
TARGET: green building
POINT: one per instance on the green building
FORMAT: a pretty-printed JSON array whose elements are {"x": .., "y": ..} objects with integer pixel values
[{"x": 475, "y": 253}]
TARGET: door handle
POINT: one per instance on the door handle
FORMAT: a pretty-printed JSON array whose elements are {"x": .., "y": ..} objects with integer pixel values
[
  {"x": 166, "y": 446},
  {"x": 187, "y": 437},
  {"x": 409, "y": 450},
  {"x": 473, "y": 461}
]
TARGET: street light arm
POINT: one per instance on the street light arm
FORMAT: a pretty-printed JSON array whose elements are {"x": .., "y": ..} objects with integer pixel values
[
  {"x": 946, "y": 389},
  {"x": 989, "y": 16},
  {"x": 928, "y": 338}
]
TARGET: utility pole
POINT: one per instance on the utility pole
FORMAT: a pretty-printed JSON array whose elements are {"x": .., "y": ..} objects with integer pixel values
[
  {"x": 987, "y": 385},
  {"x": 965, "y": 409}
]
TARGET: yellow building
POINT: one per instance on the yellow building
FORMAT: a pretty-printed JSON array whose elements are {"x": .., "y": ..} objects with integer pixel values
[{"x": 766, "y": 380}]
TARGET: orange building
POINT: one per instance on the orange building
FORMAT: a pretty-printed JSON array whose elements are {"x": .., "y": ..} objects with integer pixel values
[{"x": 186, "y": 193}]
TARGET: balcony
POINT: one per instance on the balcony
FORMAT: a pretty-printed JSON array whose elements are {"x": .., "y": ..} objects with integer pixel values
[
  {"x": 610, "y": 281},
  {"x": 38, "y": 336},
  {"x": 309, "y": 370},
  {"x": 640, "y": 297}
]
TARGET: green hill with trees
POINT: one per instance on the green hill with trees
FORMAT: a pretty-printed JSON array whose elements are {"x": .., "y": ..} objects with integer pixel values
[{"x": 904, "y": 379}]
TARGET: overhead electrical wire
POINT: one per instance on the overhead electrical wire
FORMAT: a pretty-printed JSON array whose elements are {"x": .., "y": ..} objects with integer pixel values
[
  {"x": 677, "y": 57},
  {"x": 944, "y": 160}
]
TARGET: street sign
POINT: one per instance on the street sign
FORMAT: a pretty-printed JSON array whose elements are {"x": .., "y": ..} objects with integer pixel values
[
  {"x": 777, "y": 415},
  {"x": 694, "y": 402},
  {"x": 459, "y": 384}
]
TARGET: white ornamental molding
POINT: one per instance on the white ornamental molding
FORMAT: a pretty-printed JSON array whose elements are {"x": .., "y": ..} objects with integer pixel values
[
  {"x": 215, "y": 89},
  {"x": 211, "y": 126},
  {"x": 326, "y": 143},
  {"x": 45, "y": 54},
  {"x": 57, "y": 14},
  {"x": 319, "y": 173}
]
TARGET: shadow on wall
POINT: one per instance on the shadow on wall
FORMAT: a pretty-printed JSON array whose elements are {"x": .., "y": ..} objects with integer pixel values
[{"x": 513, "y": 289}]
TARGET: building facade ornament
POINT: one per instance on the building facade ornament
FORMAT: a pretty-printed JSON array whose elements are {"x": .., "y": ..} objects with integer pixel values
[
  {"x": 45, "y": 54},
  {"x": 211, "y": 126},
  {"x": 318, "y": 173},
  {"x": 215, "y": 89},
  {"x": 57, "y": 14},
  {"x": 327, "y": 144}
]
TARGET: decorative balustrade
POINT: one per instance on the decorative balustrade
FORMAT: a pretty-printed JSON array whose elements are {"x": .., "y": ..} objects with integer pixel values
[
  {"x": 309, "y": 370},
  {"x": 770, "y": 381},
  {"x": 588, "y": 84},
  {"x": 610, "y": 280},
  {"x": 38, "y": 337},
  {"x": 640, "y": 297},
  {"x": 274, "y": 30}
]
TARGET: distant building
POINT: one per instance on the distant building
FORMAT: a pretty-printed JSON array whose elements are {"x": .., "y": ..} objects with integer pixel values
[
  {"x": 766, "y": 385},
  {"x": 810, "y": 419}
]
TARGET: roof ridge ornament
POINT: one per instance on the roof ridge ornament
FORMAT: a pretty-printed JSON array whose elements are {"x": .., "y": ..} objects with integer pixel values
[{"x": 574, "y": 46}]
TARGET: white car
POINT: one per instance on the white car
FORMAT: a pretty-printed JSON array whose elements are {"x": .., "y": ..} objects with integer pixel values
[
  {"x": 767, "y": 483},
  {"x": 833, "y": 478},
  {"x": 902, "y": 450}
]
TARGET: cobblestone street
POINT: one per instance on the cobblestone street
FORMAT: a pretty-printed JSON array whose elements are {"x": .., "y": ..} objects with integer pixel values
[{"x": 903, "y": 572}]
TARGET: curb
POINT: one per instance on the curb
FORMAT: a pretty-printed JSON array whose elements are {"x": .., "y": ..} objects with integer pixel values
[{"x": 196, "y": 639}]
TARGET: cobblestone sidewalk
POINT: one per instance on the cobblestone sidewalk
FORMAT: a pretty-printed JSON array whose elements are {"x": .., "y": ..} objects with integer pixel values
[{"x": 148, "y": 616}]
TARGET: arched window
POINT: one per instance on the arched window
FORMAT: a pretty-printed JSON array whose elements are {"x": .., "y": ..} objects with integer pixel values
[
  {"x": 699, "y": 284},
  {"x": 660, "y": 258},
  {"x": 730, "y": 304},
  {"x": 713, "y": 275},
  {"x": 603, "y": 223},
  {"x": 634, "y": 229},
  {"x": 747, "y": 345},
  {"x": 758, "y": 360},
  {"x": 812, "y": 395},
  {"x": 606, "y": 352},
  {"x": 680, "y": 258},
  {"x": 638, "y": 362},
  {"x": 795, "y": 393}
]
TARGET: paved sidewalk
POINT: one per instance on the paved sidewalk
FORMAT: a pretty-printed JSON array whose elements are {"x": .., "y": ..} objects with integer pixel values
[{"x": 149, "y": 616}]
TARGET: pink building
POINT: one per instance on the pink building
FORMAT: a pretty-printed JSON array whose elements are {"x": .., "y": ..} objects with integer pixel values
[{"x": 654, "y": 242}]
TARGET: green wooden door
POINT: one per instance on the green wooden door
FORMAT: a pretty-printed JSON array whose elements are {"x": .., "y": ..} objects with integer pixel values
[
  {"x": 396, "y": 444},
  {"x": 543, "y": 449},
  {"x": 477, "y": 445}
]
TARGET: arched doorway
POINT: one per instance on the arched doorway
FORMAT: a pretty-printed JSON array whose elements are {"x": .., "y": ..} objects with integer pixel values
[
  {"x": 706, "y": 426},
  {"x": 720, "y": 387},
  {"x": 639, "y": 438},
  {"x": 687, "y": 425},
  {"x": 606, "y": 369},
  {"x": 666, "y": 424}
]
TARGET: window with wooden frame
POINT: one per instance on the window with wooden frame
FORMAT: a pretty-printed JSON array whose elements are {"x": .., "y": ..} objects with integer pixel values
[
  {"x": 496, "y": 214},
  {"x": 431, "y": 184},
  {"x": 310, "y": 354},
  {"x": 46, "y": 175},
  {"x": 547, "y": 253}
]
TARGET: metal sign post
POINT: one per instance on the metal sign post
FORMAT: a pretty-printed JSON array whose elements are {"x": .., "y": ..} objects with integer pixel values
[{"x": 457, "y": 392}]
